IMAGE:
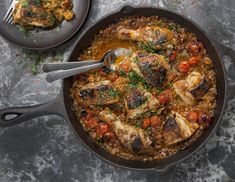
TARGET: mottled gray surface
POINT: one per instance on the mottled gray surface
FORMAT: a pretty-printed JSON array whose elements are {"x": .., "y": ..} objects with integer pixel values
[{"x": 45, "y": 149}]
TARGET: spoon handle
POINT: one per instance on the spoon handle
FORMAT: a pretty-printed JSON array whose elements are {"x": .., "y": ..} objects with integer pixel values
[
  {"x": 60, "y": 74},
  {"x": 65, "y": 66}
]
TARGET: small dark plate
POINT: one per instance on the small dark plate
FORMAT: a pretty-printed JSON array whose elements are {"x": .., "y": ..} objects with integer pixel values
[{"x": 39, "y": 39}]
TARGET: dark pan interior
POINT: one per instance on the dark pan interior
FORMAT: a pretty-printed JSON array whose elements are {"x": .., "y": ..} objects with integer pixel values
[{"x": 85, "y": 41}]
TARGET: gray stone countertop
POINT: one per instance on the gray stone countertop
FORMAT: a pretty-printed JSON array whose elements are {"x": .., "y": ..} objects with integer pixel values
[{"x": 45, "y": 149}]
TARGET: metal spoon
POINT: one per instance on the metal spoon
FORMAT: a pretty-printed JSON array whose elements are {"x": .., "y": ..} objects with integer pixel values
[{"x": 64, "y": 70}]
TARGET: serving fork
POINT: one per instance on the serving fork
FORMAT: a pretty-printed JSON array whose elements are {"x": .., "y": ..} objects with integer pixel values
[{"x": 8, "y": 17}]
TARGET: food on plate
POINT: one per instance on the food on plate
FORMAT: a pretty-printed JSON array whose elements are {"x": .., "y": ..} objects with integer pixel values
[
  {"x": 42, "y": 13},
  {"x": 161, "y": 96}
]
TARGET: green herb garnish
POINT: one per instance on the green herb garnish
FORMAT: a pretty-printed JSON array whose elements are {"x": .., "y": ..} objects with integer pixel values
[
  {"x": 24, "y": 31},
  {"x": 113, "y": 93},
  {"x": 122, "y": 73},
  {"x": 139, "y": 124},
  {"x": 25, "y": 4},
  {"x": 135, "y": 60},
  {"x": 149, "y": 47},
  {"x": 37, "y": 2},
  {"x": 149, "y": 130}
]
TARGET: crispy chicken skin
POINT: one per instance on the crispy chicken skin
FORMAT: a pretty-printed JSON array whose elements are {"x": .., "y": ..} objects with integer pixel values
[
  {"x": 153, "y": 35},
  {"x": 99, "y": 93},
  {"x": 139, "y": 101},
  {"x": 135, "y": 139},
  {"x": 177, "y": 128},
  {"x": 192, "y": 88},
  {"x": 31, "y": 13}
]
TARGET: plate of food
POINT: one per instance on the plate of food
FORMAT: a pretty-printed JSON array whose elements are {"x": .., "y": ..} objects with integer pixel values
[
  {"x": 161, "y": 103},
  {"x": 41, "y": 24}
]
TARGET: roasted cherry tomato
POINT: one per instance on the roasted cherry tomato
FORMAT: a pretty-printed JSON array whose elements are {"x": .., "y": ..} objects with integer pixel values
[
  {"x": 102, "y": 129},
  {"x": 183, "y": 67},
  {"x": 204, "y": 118},
  {"x": 155, "y": 121},
  {"x": 193, "y": 116},
  {"x": 125, "y": 68},
  {"x": 113, "y": 76},
  {"x": 195, "y": 47},
  {"x": 146, "y": 123},
  {"x": 193, "y": 60},
  {"x": 164, "y": 97},
  {"x": 92, "y": 123},
  {"x": 109, "y": 136},
  {"x": 172, "y": 55}
]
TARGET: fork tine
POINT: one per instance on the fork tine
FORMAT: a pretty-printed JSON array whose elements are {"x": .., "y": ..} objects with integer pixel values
[
  {"x": 10, "y": 20},
  {"x": 9, "y": 16},
  {"x": 9, "y": 10}
]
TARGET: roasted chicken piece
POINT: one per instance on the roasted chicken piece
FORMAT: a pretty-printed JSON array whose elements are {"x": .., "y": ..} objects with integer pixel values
[
  {"x": 99, "y": 93},
  {"x": 177, "y": 128},
  {"x": 152, "y": 67},
  {"x": 139, "y": 101},
  {"x": 150, "y": 35},
  {"x": 135, "y": 139},
  {"x": 31, "y": 13},
  {"x": 192, "y": 88}
]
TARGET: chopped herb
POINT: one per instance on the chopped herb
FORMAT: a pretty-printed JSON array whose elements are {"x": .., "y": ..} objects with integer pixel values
[
  {"x": 149, "y": 47},
  {"x": 170, "y": 84},
  {"x": 122, "y": 73},
  {"x": 52, "y": 19},
  {"x": 159, "y": 91},
  {"x": 37, "y": 2},
  {"x": 147, "y": 86},
  {"x": 135, "y": 60},
  {"x": 134, "y": 77},
  {"x": 25, "y": 4},
  {"x": 100, "y": 141},
  {"x": 148, "y": 97},
  {"x": 139, "y": 124},
  {"x": 149, "y": 130},
  {"x": 113, "y": 93},
  {"x": 24, "y": 31},
  {"x": 132, "y": 85}
]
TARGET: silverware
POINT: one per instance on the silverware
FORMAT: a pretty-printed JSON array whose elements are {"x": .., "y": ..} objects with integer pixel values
[
  {"x": 8, "y": 17},
  {"x": 63, "y": 70}
]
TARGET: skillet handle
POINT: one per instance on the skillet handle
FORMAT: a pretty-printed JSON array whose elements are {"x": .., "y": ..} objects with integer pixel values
[{"x": 15, "y": 115}]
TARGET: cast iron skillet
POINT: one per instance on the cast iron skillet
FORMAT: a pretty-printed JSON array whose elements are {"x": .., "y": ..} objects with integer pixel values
[
  {"x": 63, "y": 105},
  {"x": 39, "y": 39}
]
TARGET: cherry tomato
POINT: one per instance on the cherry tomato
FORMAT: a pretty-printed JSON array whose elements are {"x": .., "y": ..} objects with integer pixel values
[
  {"x": 88, "y": 115},
  {"x": 193, "y": 116},
  {"x": 204, "y": 118},
  {"x": 109, "y": 136},
  {"x": 102, "y": 129},
  {"x": 193, "y": 60},
  {"x": 164, "y": 97},
  {"x": 172, "y": 56},
  {"x": 125, "y": 68},
  {"x": 195, "y": 47},
  {"x": 146, "y": 123},
  {"x": 113, "y": 76},
  {"x": 102, "y": 73},
  {"x": 155, "y": 121},
  {"x": 183, "y": 67},
  {"x": 92, "y": 123}
]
